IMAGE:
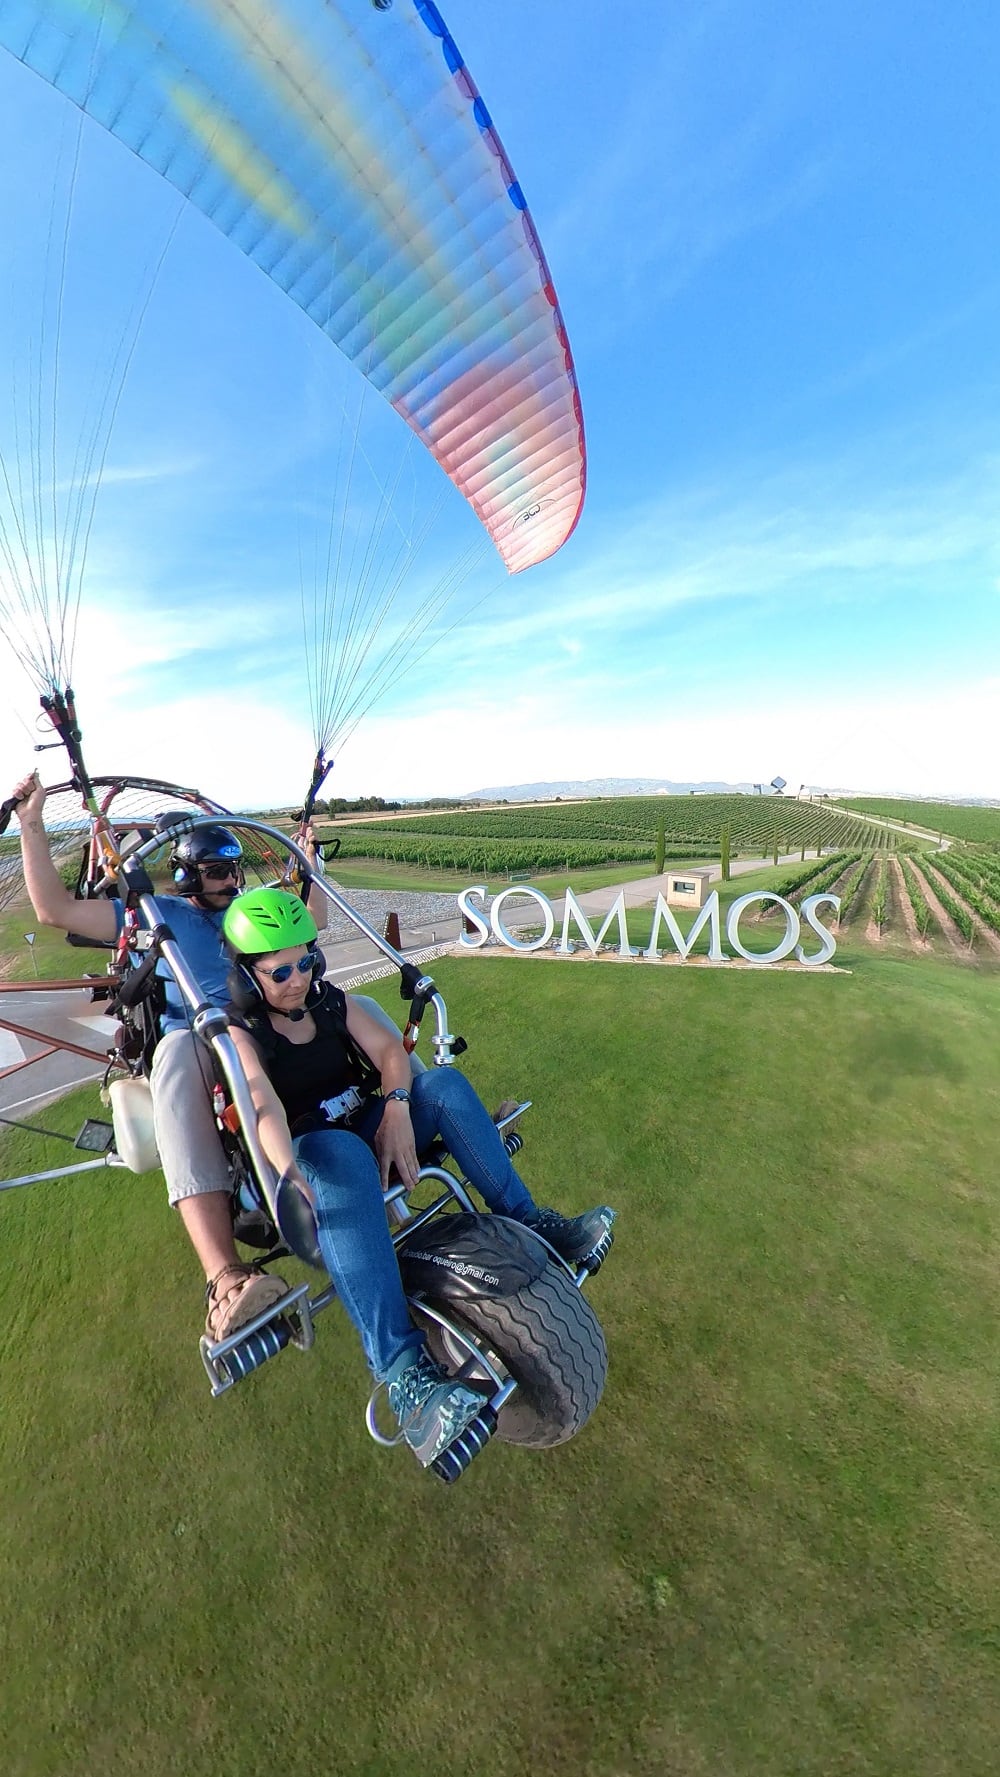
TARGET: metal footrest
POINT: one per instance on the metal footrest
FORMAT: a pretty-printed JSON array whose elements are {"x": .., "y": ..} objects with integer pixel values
[
  {"x": 453, "y": 1462},
  {"x": 596, "y": 1259},
  {"x": 288, "y": 1322},
  {"x": 512, "y": 1140}
]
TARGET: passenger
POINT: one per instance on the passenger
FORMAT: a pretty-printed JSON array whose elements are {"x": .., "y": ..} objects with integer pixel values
[
  {"x": 208, "y": 875},
  {"x": 338, "y": 1110}
]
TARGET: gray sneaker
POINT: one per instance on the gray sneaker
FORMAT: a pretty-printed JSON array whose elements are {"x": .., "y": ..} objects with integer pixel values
[{"x": 431, "y": 1407}]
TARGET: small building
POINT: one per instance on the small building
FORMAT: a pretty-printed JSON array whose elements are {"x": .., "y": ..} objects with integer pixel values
[{"x": 689, "y": 889}]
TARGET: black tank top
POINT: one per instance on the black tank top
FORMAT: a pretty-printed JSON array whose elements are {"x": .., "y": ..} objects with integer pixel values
[{"x": 304, "y": 1074}]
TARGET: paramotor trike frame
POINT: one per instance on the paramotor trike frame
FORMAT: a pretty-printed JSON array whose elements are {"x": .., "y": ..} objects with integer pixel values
[
  {"x": 95, "y": 838},
  {"x": 53, "y": 1045},
  {"x": 290, "y": 1320}
]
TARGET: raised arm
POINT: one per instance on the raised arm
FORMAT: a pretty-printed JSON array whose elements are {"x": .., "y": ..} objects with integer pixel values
[
  {"x": 49, "y": 896},
  {"x": 317, "y": 902}
]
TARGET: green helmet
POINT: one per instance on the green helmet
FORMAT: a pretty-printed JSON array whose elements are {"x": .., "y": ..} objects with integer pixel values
[{"x": 267, "y": 919}]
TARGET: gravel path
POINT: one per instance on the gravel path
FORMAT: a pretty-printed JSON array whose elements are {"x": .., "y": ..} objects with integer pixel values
[
  {"x": 421, "y": 912},
  {"x": 416, "y": 911}
]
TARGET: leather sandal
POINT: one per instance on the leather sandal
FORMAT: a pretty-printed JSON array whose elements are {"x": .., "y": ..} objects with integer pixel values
[{"x": 247, "y": 1292}]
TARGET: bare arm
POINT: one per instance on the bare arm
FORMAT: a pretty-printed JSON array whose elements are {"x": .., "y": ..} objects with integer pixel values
[
  {"x": 272, "y": 1124},
  {"x": 382, "y": 1046},
  {"x": 50, "y": 898},
  {"x": 317, "y": 902}
]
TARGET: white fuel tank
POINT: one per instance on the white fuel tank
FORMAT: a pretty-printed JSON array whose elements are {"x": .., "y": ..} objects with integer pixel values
[{"x": 132, "y": 1115}]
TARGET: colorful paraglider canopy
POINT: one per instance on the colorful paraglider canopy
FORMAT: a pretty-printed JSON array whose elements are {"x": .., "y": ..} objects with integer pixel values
[{"x": 347, "y": 151}]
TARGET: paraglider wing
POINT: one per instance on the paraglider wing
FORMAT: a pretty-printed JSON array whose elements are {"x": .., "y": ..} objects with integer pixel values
[{"x": 345, "y": 149}]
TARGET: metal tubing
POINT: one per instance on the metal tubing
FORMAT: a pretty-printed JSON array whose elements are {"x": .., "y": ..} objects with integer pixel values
[
  {"x": 27, "y": 1060},
  {"x": 512, "y": 1116},
  {"x": 397, "y": 1209},
  {"x": 35, "y": 1178},
  {"x": 418, "y": 1221},
  {"x": 288, "y": 844},
  {"x": 227, "y": 1055},
  {"x": 222, "y": 1046},
  {"x": 40, "y": 986},
  {"x": 477, "y": 1356},
  {"x": 456, "y": 1187},
  {"x": 323, "y": 1300},
  {"x": 21, "y": 1030},
  {"x": 443, "y": 1040},
  {"x": 213, "y": 1355}
]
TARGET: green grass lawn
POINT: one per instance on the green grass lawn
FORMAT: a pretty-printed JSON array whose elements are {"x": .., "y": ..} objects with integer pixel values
[
  {"x": 772, "y": 1551},
  {"x": 961, "y": 820},
  {"x": 54, "y": 958}
]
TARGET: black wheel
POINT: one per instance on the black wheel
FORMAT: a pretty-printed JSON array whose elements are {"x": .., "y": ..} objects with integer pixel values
[{"x": 546, "y": 1335}]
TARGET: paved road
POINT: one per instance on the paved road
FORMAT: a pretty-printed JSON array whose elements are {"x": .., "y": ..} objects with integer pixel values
[{"x": 68, "y": 1015}]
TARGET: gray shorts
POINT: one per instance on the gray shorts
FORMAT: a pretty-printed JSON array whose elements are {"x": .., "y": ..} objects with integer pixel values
[{"x": 187, "y": 1138}]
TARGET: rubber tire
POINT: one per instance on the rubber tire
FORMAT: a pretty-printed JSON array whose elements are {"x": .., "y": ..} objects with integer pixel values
[{"x": 549, "y": 1339}]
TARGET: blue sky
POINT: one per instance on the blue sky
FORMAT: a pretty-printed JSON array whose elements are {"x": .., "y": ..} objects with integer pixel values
[{"x": 774, "y": 233}]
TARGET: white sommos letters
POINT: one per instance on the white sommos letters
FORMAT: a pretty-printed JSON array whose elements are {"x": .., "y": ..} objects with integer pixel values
[{"x": 710, "y": 916}]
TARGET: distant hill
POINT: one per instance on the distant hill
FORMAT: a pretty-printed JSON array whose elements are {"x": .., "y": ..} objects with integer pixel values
[
  {"x": 663, "y": 786},
  {"x": 599, "y": 786}
]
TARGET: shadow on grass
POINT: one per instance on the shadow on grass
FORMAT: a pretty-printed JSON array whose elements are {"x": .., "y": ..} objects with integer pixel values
[{"x": 885, "y": 1056}]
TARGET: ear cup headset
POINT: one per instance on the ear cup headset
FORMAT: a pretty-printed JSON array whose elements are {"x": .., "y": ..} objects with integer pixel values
[
  {"x": 206, "y": 845},
  {"x": 247, "y": 995},
  {"x": 259, "y": 923}
]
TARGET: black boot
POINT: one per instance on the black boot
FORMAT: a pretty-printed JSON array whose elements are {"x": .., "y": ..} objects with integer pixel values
[{"x": 580, "y": 1240}]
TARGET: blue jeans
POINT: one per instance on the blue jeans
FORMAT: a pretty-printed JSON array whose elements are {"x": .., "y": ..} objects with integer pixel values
[{"x": 354, "y": 1238}]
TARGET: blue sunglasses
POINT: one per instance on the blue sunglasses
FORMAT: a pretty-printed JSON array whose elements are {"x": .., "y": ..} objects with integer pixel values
[{"x": 286, "y": 971}]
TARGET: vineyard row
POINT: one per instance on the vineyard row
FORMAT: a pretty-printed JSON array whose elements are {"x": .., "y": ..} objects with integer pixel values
[
  {"x": 753, "y": 825},
  {"x": 414, "y": 844}
]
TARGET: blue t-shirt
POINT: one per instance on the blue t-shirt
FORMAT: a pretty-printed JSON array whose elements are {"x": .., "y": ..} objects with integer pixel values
[{"x": 199, "y": 937}]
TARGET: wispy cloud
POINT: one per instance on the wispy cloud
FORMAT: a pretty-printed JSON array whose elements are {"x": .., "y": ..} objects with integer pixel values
[
  {"x": 694, "y": 162},
  {"x": 818, "y": 531},
  {"x": 126, "y": 474}
]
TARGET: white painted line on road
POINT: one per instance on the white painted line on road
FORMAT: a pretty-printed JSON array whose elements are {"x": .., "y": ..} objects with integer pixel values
[
  {"x": 360, "y": 977},
  {"x": 97, "y": 1021},
  {"x": 10, "y": 1049},
  {"x": 53, "y": 1092}
]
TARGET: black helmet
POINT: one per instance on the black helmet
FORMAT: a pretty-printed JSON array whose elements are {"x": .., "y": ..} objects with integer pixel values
[{"x": 206, "y": 845}]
